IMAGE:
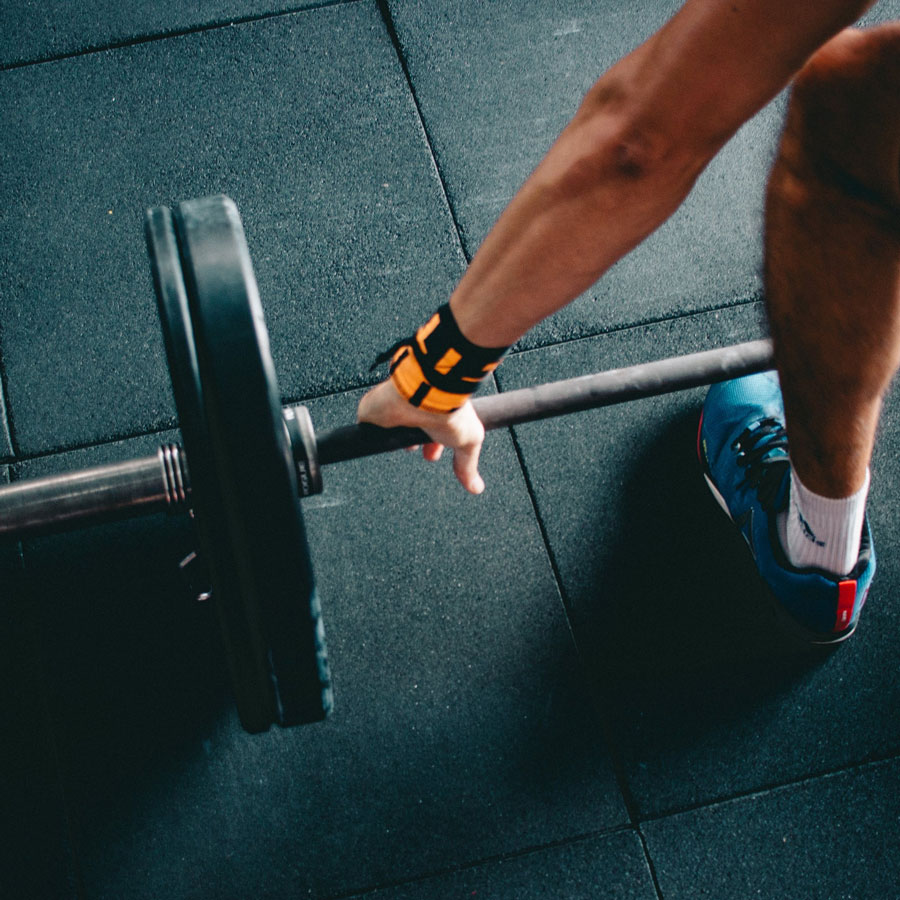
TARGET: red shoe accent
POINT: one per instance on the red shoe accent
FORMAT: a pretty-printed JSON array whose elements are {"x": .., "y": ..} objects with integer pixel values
[{"x": 846, "y": 599}]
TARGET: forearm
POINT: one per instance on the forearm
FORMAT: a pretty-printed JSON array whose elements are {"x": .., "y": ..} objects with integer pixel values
[
  {"x": 631, "y": 154},
  {"x": 582, "y": 209},
  {"x": 622, "y": 166}
]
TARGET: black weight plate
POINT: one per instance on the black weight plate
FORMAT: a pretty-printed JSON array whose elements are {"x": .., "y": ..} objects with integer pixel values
[
  {"x": 274, "y": 615},
  {"x": 177, "y": 331},
  {"x": 245, "y": 655}
]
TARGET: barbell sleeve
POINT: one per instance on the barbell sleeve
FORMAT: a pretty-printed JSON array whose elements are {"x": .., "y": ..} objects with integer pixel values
[
  {"x": 561, "y": 397},
  {"x": 99, "y": 494}
]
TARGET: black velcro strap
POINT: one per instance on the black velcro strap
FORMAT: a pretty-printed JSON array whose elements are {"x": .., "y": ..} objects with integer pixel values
[{"x": 451, "y": 362}]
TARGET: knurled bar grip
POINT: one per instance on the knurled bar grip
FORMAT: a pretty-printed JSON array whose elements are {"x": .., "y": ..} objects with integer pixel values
[
  {"x": 558, "y": 398},
  {"x": 161, "y": 482}
]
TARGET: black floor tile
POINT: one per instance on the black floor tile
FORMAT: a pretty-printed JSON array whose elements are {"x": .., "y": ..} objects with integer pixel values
[
  {"x": 835, "y": 837},
  {"x": 611, "y": 867},
  {"x": 462, "y": 727},
  {"x": 35, "y": 852},
  {"x": 306, "y": 120},
  {"x": 496, "y": 84},
  {"x": 467, "y": 725},
  {"x": 882, "y": 11},
  {"x": 32, "y": 30},
  {"x": 134, "y": 672},
  {"x": 706, "y": 696}
]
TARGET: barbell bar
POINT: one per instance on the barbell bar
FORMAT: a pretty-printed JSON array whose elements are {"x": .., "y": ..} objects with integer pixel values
[
  {"x": 251, "y": 460},
  {"x": 161, "y": 482}
]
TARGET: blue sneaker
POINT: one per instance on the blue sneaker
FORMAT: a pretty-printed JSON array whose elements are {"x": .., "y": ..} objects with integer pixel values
[{"x": 742, "y": 445}]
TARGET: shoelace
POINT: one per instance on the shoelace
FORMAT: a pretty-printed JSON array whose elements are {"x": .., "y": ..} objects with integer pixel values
[{"x": 764, "y": 472}]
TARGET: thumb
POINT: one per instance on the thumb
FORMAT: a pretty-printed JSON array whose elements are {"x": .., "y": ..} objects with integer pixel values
[{"x": 465, "y": 466}]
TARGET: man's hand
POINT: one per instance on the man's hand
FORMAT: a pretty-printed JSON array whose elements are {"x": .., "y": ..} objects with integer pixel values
[{"x": 461, "y": 431}]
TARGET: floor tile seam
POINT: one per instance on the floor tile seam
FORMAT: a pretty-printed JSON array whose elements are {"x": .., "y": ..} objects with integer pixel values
[
  {"x": 650, "y": 321},
  {"x": 872, "y": 762},
  {"x": 545, "y": 538},
  {"x": 616, "y": 761},
  {"x": 137, "y": 40},
  {"x": 388, "y": 18},
  {"x": 21, "y": 459},
  {"x": 369, "y": 383},
  {"x": 552, "y": 344},
  {"x": 481, "y": 861},
  {"x": 651, "y": 866},
  {"x": 18, "y": 457}
]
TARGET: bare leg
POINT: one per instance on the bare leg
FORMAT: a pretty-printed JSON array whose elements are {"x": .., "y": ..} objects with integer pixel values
[{"x": 833, "y": 255}]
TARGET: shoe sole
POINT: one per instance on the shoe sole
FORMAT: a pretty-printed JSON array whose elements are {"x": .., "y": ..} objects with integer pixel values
[{"x": 784, "y": 618}]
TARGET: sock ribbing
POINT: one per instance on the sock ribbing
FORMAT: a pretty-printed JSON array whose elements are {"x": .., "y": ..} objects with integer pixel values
[{"x": 823, "y": 532}]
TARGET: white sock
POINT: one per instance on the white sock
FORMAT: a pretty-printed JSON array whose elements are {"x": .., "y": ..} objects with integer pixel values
[{"x": 821, "y": 532}]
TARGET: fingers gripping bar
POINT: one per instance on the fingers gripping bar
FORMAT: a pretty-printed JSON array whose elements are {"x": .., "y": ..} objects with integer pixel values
[{"x": 557, "y": 398}]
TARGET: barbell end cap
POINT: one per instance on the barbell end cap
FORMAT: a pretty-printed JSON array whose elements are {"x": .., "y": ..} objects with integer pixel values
[{"x": 302, "y": 438}]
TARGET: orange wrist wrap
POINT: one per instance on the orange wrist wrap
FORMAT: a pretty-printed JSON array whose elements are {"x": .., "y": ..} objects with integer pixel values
[{"x": 438, "y": 368}]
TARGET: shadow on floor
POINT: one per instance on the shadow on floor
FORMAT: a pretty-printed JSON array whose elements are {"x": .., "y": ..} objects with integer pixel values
[
  {"x": 680, "y": 625},
  {"x": 135, "y": 674}
]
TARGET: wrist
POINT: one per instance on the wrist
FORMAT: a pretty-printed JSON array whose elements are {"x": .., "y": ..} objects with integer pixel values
[{"x": 439, "y": 368}]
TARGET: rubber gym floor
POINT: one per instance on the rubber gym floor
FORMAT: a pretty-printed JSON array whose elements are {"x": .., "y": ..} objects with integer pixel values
[{"x": 570, "y": 687}]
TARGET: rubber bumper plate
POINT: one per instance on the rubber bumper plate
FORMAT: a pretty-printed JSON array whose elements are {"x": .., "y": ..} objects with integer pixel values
[{"x": 243, "y": 479}]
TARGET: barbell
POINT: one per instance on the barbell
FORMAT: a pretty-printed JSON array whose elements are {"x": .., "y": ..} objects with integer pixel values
[{"x": 252, "y": 460}]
